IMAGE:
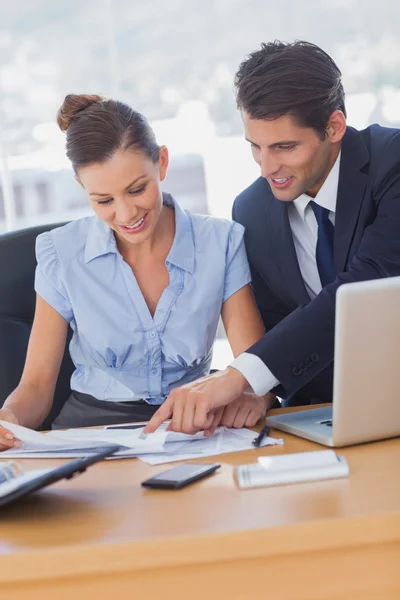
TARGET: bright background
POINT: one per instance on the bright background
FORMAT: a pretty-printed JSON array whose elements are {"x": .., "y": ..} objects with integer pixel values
[{"x": 174, "y": 61}]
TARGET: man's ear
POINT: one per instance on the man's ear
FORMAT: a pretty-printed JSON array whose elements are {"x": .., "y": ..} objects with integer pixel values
[{"x": 336, "y": 126}]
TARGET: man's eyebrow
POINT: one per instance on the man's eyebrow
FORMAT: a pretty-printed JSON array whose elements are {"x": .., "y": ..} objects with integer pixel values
[
  {"x": 127, "y": 187},
  {"x": 275, "y": 144}
]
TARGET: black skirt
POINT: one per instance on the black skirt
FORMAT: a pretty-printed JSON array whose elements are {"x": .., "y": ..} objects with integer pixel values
[{"x": 83, "y": 410}]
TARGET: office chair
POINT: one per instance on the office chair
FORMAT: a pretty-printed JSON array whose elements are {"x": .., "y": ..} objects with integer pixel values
[{"x": 17, "y": 307}]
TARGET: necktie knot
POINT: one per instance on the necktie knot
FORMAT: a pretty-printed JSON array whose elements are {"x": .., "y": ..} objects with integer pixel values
[
  {"x": 324, "y": 250},
  {"x": 321, "y": 213}
]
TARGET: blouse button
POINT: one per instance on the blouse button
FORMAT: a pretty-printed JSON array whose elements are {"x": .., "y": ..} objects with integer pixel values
[{"x": 152, "y": 334}]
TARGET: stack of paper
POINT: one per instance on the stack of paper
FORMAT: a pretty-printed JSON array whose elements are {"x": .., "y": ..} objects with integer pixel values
[{"x": 155, "y": 448}]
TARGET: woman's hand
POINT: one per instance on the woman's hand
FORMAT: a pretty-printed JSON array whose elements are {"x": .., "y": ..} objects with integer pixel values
[{"x": 7, "y": 439}]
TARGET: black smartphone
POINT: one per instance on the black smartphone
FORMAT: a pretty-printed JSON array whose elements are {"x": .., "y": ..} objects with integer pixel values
[{"x": 178, "y": 477}]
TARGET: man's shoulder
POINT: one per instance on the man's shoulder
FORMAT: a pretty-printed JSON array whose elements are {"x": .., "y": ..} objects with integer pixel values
[
  {"x": 251, "y": 193},
  {"x": 376, "y": 134},
  {"x": 383, "y": 143},
  {"x": 249, "y": 198}
]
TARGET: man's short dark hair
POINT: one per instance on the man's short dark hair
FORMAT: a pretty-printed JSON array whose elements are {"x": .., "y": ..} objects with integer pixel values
[{"x": 298, "y": 79}]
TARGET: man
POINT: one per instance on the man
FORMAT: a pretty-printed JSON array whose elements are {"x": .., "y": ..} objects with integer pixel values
[{"x": 325, "y": 211}]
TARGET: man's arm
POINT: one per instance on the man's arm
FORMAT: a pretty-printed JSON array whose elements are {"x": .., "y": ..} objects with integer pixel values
[{"x": 298, "y": 348}]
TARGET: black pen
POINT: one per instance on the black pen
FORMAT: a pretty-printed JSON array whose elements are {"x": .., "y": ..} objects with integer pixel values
[
  {"x": 263, "y": 433},
  {"x": 141, "y": 426}
]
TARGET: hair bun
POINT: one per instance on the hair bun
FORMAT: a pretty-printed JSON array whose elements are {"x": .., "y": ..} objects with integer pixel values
[{"x": 74, "y": 104}]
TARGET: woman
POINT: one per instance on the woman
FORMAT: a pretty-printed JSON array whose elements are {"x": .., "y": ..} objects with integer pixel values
[{"x": 141, "y": 283}]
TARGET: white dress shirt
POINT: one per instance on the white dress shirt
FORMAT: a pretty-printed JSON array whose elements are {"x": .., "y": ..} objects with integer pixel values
[{"x": 304, "y": 227}]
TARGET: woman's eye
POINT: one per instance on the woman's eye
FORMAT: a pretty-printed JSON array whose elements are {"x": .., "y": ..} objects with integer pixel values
[
  {"x": 104, "y": 201},
  {"x": 137, "y": 191}
]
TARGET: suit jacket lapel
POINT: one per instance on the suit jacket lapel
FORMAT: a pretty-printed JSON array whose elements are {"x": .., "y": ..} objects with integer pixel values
[
  {"x": 351, "y": 188},
  {"x": 282, "y": 244}
]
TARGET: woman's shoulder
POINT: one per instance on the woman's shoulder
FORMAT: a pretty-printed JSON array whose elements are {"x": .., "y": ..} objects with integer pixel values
[
  {"x": 220, "y": 252},
  {"x": 65, "y": 242},
  {"x": 208, "y": 225}
]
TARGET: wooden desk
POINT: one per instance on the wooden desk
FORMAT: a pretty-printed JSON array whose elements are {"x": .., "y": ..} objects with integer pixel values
[{"x": 103, "y": 536}]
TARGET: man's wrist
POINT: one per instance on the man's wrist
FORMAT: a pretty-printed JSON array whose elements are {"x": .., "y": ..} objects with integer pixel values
[
  {"x": 256, "y": 373},
  {"x": 269, "y": 399}
]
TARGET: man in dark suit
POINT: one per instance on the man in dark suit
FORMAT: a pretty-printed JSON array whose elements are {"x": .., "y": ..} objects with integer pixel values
[{"x": 325, "y": 211}]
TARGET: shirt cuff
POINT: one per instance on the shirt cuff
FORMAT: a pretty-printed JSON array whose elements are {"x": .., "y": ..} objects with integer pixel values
[{"x": 256, "y": 372}]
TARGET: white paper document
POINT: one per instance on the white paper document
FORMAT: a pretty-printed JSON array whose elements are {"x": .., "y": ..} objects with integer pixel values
[
  {"x": 80, "y": 442},
  {"x": 223, "y": 441},
  {"x": 155, "y": 448}
]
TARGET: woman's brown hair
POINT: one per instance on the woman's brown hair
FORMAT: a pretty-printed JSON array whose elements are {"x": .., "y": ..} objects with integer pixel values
[{"x": 97, "y": 127}]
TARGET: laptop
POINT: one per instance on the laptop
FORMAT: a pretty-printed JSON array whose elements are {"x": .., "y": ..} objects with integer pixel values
[{"x": 366, "y": 383}]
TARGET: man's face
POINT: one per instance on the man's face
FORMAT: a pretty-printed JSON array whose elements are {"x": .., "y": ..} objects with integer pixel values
[{"x": 293, "y": 159}]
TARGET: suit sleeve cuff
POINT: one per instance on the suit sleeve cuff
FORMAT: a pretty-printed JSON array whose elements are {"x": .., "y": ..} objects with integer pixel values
[{"x": 258, "y": 375}]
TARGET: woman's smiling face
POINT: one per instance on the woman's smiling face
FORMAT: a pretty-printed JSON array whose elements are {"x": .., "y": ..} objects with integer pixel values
[{"x": 125, "y": 192}]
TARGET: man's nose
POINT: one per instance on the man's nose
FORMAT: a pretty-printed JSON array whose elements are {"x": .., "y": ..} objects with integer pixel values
[{"x": 269, "y": 165}]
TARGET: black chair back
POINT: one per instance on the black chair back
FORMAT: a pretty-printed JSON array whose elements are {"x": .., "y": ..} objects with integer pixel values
[{"x": 17, "y": 307}]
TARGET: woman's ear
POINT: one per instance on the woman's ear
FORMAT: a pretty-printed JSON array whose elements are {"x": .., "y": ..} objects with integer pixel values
[{"x": 163, "y": 162}]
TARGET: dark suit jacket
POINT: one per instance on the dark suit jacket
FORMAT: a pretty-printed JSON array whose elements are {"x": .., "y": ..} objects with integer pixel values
[{"x": 299, "y": 343}]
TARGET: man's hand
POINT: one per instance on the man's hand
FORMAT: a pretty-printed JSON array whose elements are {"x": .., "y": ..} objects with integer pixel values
[
  {"x": 246, "y": 411},
  {"x": 197, "y": 405}
]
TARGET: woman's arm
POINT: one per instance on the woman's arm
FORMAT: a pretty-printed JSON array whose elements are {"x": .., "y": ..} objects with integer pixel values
[
  {"x": 242, "y": 320},
  {"x": 31, "y": 401},
  {"x": 244, "y": 327}
]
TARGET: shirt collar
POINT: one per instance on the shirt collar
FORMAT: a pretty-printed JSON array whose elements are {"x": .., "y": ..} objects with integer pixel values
[
  {"x": 182, "y": 250},
  {"x": 101, "y": 240},
  {"x": 327, "y": 195}
]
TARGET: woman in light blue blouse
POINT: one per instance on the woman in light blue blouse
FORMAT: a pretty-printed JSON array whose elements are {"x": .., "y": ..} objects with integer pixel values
[{"x": 142, "y": 284}]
